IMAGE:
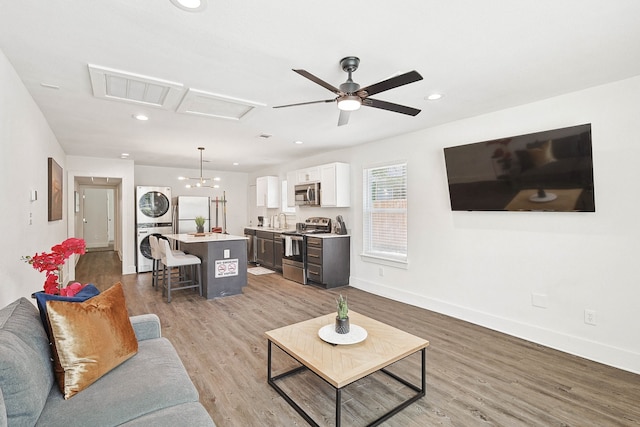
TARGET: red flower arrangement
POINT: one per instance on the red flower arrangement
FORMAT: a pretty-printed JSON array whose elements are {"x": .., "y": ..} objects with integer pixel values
[{"x": 51, "y": 263}]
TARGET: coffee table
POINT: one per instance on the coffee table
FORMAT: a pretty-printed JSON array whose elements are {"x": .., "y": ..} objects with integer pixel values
[{"x": 341, "y": 365}]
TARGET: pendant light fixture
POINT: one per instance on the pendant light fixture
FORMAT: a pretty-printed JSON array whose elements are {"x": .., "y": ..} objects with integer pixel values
[{"x": 201, "y": 181}]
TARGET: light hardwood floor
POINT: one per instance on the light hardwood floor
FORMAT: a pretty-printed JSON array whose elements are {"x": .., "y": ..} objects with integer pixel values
[{"x": 475, "y": 376}]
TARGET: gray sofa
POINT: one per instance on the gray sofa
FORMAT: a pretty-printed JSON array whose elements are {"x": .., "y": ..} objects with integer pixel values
[{"x": 150, "y": 389}]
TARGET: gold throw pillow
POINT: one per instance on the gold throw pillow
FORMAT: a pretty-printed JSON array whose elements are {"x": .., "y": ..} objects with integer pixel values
[{"x": 90, "y": 338}]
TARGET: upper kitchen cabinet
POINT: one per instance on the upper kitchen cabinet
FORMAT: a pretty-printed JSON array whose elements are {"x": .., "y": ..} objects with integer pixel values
[
  {"x": 335, "y": 185},
  {"x": 305, "y": 176},
  {"x": 268, "y": 191}
]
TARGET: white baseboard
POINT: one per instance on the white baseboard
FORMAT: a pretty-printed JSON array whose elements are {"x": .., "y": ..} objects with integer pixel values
[{"x": 595, "y": 351}]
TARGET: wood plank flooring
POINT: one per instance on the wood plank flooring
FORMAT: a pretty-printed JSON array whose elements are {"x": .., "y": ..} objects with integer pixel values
[{"x": 475, "y": 376}]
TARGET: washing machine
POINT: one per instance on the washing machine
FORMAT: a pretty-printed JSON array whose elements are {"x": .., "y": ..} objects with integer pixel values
[
  {"x": 145, "y": 261},
  {"x": 153, "y": 217},
  {"x": 153, "y": 205}
]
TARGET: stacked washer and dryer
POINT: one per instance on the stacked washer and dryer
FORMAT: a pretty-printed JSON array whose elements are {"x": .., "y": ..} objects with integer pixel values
[{"x": 153, "y": 217}]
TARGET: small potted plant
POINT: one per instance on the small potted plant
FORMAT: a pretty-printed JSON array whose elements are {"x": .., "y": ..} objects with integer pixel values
[
  {"x": 200, "y": 224},
  {"x": 342, "y": 319}
]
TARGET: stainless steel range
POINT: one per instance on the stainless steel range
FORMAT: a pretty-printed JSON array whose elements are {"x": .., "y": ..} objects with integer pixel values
[{"x": 294, "y": 247}]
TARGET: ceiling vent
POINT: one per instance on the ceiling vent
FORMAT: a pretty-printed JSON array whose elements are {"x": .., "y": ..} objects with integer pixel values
[
  {"x": 213, "y": 105},
  {"x": 119, "y": 85}
]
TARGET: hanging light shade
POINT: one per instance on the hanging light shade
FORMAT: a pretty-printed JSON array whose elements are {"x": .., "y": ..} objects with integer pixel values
[{"x": 201, "y": 181}]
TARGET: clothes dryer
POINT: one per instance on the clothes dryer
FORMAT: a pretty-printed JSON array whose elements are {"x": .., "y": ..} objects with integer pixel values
[{"x": 153, "y": 205}]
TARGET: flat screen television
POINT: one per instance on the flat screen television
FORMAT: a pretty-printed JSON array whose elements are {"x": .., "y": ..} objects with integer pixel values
[{"x": 542, "y": 171}]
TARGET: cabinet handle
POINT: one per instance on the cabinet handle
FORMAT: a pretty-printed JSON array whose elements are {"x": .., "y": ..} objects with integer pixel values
[{"x": 313, "y": 256}]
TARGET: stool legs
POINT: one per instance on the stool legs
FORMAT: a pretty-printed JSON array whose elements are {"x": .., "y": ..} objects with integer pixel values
[{"x": 180, "y": 277}]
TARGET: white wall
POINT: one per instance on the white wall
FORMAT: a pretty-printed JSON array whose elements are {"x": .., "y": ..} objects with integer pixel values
[
  {"x": 26, "y": 141},
  {"x": 235, "y": 185},
  {"x": 484, "y": 266}
]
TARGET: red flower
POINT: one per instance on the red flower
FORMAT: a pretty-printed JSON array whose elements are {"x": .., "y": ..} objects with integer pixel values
[
  {"x": 72, "y": 289},
  {"x": 52, "y": 262}
]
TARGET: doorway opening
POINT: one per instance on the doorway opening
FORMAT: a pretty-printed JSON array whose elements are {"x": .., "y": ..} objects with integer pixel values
[{"x": 98, "y": 215}]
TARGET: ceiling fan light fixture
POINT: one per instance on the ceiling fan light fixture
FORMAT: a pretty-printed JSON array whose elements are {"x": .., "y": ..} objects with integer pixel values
[
  {"x": 349, "y": 103},
  {"x": 190, "y": 5}
]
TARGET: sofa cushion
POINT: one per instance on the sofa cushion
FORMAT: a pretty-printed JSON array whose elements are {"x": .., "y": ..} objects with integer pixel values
[
  {"x": 153, "y": 379},
  {"x": 90, "y": 338},
  {"x": 26, "y": 376},
  {"x": 88, "y": 291},
  {"x": 190, "y": 414}
]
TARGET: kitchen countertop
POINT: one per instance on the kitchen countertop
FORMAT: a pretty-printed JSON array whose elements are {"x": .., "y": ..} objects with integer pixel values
[
  {"x": 210, "y": 237},
  {"x": 271, "y": 229},
  {"x": 327, "y": 235}
]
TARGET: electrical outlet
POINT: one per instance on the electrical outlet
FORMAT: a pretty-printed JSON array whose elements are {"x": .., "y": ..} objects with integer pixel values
[{"x": 590, "y": 317}]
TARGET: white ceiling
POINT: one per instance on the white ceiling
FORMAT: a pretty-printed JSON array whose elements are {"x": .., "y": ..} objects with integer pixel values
[{"x": 483, "y": 55}]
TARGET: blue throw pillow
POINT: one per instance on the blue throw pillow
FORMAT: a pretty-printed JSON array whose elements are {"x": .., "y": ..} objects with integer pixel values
[{"x": 88, "y": 291}]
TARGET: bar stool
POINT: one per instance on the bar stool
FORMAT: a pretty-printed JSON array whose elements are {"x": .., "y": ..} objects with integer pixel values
[
  {"x": 171, "y": 260},
  {"x": 156, "y": 256},
  {"x": 157, "y": 259}
]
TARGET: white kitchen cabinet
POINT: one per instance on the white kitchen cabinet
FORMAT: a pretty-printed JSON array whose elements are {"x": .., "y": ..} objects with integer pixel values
[
  {"x": 335, "y": 185},
  {"x": 268, "y": 191},
  {"x": 305, "y": 176}
]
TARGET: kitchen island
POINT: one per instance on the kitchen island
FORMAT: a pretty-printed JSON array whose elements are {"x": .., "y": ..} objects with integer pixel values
[{"x": 224, "y": 261}]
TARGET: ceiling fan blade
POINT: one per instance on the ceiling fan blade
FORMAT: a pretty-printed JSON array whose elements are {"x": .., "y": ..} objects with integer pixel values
[
  {"x": 319, "y": 81},
  {"x": 393, "y": 82},
  {"x": 390, "y": 106},
  {"x": 344, "y": 117},
  {"x": 305, "y": 103}
]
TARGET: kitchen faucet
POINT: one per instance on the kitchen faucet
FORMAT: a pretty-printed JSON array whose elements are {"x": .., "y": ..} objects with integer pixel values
[{"x": 282, "y": 224}]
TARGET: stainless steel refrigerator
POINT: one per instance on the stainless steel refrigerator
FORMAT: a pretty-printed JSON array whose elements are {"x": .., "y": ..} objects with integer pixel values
[{"x": 189, "y": 207}]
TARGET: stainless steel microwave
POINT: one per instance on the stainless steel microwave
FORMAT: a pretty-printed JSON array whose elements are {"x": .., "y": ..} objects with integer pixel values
[{"x": 308, "y": 194}]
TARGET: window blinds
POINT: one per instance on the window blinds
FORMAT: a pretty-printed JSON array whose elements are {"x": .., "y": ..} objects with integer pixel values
[{"x": 385, "y": 212}]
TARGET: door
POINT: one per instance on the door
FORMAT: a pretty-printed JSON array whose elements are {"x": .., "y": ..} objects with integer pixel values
[{"x": 96, "y": 217}]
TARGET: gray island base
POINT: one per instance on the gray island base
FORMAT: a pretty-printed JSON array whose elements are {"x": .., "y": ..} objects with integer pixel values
[{"x": 224, "y": 261}]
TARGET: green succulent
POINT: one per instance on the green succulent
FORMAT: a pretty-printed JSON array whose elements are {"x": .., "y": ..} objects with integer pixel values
[
  {"x": 343, "y": 309},
  {"x": 200, "y": 221}
]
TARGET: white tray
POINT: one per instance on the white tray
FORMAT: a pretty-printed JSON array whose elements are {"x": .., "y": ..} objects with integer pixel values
[{"x": 356, "y": 334}]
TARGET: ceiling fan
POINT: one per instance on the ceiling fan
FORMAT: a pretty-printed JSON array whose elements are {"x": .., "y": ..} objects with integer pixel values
[{"x": 350, "y": 96}]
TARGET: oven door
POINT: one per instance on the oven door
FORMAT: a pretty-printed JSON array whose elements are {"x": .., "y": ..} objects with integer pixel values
[
  {"x": 293, "y": 247},
  {"x": 293, "y": 254}
]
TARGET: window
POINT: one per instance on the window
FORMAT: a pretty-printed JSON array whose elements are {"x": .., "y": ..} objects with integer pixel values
[
  {"x": 385, "y": 213},
  {"x": 284, "y": 199}
]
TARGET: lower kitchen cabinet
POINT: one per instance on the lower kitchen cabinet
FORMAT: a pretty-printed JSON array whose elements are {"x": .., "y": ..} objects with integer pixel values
[
  {"x": 269, "y": 249},
  {"x": 277, "y": 251},
  {"x": 265, "y": 254},
  {"x": 328, "y": 260}
]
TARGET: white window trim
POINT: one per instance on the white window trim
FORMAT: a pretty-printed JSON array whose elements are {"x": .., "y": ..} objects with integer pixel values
[{"x": 378, "y": 258}]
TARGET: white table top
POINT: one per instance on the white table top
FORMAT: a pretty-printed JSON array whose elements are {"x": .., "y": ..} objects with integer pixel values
[{"x": 208, "y": 237}]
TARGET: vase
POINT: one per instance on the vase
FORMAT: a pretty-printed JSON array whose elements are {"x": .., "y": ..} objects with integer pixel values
[
  {"x": 342, "y": 325},
  {"x": 199, "y": 228}
]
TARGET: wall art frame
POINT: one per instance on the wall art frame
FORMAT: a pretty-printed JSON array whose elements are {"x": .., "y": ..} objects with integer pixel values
[{"x": 54, "y": 190}]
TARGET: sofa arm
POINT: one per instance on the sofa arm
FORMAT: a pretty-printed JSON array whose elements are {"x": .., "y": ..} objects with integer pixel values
[{"x": 146, "y": 326}]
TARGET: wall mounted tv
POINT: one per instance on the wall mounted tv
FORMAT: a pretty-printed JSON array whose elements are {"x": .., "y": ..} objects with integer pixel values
[{"x": 543, "y": 171}]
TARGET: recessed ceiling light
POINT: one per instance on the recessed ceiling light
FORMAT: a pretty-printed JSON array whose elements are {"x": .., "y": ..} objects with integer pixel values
[
  {"x": 298, "y": 142},
  {"x": 433, "y": 97},
  {"x": 217, "y": 178},
  {"x": 236, "y": 163},
  {"x": 141, "y": 117},
  {"x": 50, "y": 86},
  {"x": 124, "y": 155},
  {"x": 190, "y": 5}
]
